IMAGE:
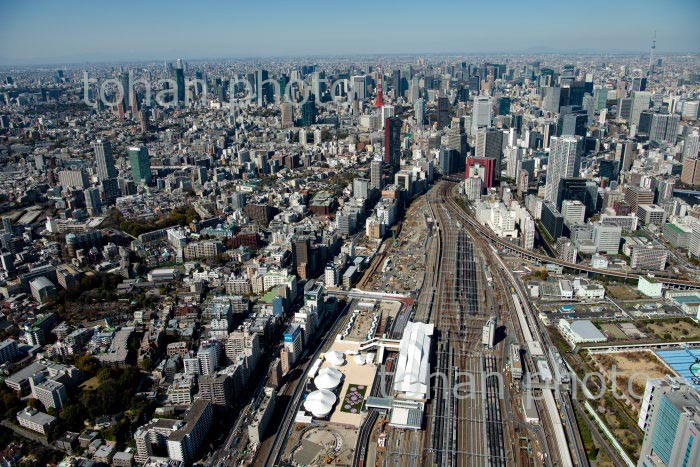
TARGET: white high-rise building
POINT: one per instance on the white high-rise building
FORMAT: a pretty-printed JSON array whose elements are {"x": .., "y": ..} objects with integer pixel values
[
  {"x": 564, "y": 159},
  {"x": 419, "y": 111},
  {"x": 574, "y": 211},
  {"x": 640, "y": 103},
  {"x": 606, "y": 238},
  {"x": 513, "y": 157},
  {"x": 481, "y": 113}
]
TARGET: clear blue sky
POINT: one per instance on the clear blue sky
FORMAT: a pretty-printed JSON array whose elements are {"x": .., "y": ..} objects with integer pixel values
[{"x": 53, "y": 31}]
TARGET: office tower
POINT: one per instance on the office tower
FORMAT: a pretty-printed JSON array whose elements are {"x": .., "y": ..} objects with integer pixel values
[
  {"x": 624, "y": 108},
  {"x": 443, "y": 112},
  {"x": 552, "y": 220},
  {"x": 489, "y": 144},
  {"x": 573, "y": 211},
  {"x": 180, "y": 90},
  {"x": 110, "y": 188},
  {"x": 664, "y": 128},
  {"x": 574, "y": 188},
  {"x": 564, "y": 160},
  {"x": 640, "y": 103},
  {"x": 317, "y": 85},
  {"x": 513, "y": 156},
  {"x": 634, "y": 196},
  {"x": 608, "y": 169},
  {"x": 551, "y": 99},
  {"x": 606, "y": 238},
  {"x": 396, "y": 83},
  {"x": 639, "y": 84},
  {"x": 475, "y": 84},
  {"x": 691, "y": 146},
  {"x": 140, "y": 165},
  {"x": 504, "y": 106},
  {"x": 448, "y": 160},
  {"x": 572, "y": 123},
  {"x": 308, "y": 111},
  {"x": 625, "y": 153},
  {"x": 359, "y": 87},
  {"x": 360, "y": 188},
  {"x": 104, "y": 160},
  {"x": 143, "y": 121},
  {"x": 392, "y": 142},
  {"x": 287, "y": 115},
  {"x": 672, "y": 426},
  {"x": 419, "y": 111},
  {"x": 481, "y": 113},
  {"x": 92, "y": 201},
  {"x": 600, "y": 95},
  {"x": 124, "y": 80},
  {"x": 376, "y": 180},
  {"x": 301, "y": 253},
  {"x": 644, "y": 126},
  {"x": 691, "y": 171}
]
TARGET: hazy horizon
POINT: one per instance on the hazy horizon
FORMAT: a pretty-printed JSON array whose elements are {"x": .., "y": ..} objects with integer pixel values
[{"x": 77, "y": 31}]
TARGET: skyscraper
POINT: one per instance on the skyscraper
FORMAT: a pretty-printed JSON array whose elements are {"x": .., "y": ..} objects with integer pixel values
[
  {"x": 443, "y": 112},
  {"x": 92, "y": 201},
  {"x": 104, "y": 160},
  {"x": 664, "y": 128},
  {"x": 640, "y": 103},
  {"x": 287, "y": 115},
  {"x": 489, "y": 144},
  {"x": 376, "y": 180},
  {"x": 481, "y": 113},
  {"x": 308, "y": 111},
  {"x": 140, "y": 164},
  {"x": 180, "y": 85},
  {"x": 672, "y": 427},
  {"x": 419, "y": 111},
  {"x": 564, "y": 159},
  {"x": 392, "y": 142}
]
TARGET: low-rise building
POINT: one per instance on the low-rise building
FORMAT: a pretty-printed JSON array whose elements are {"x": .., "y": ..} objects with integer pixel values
[
  {"x": 34, "y": 420},
  {"x": 580, "y": 332}
]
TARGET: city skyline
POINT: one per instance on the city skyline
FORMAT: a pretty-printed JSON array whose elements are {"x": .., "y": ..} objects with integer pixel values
[{"x": 38, "y": 34}]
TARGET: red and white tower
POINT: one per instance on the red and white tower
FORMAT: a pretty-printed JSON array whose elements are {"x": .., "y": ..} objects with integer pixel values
[{"x": 379, "y": 103}]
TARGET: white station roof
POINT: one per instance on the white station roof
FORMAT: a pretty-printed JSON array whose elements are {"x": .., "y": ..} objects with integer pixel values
[
  {"x": 320, "y": 403},
  {"x": 328, "y": 378},
  {"x": 413, "y": 367}
]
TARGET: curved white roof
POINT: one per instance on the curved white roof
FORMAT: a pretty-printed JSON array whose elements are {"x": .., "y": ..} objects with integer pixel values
[
  {"x": 413, "y": 366},
  {"x": 328, "y": 378},
  {"x": 335, "y": 358},
  {"x": 359, "y": 360},
  {"x": 320, "y": 403}
]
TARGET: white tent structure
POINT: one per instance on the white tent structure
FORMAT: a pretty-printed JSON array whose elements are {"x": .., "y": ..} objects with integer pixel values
[
  {"x": 320, "y": 403},
  {"x": 335, "y": 358},
  {"x": 328, "y": 378}
]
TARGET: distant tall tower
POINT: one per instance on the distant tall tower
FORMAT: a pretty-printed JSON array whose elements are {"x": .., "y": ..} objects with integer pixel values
[
  {"x": 379, "y": 103},
  {"x": 651, "y": 55}
]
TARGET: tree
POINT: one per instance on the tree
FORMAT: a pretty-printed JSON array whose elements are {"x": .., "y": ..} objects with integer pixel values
[{"x": 87, "y": 363}]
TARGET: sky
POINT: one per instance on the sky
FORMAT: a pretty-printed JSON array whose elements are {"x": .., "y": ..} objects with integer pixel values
[{"x": 72, "y": 31}]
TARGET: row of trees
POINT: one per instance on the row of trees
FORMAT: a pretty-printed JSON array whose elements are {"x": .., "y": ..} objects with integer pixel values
[{"x": 179, "y": 216}]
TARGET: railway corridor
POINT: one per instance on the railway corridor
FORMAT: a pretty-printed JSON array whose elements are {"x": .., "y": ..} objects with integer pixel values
[{"x": 464, "y": 425}]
